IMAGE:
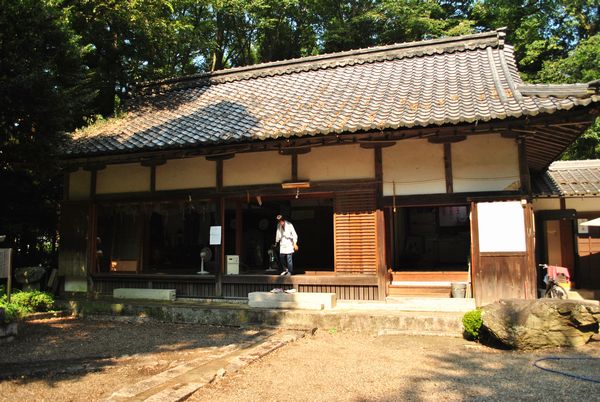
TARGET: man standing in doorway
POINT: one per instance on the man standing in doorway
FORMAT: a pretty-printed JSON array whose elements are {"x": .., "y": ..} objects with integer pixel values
[{"x": 287, "y": 238}]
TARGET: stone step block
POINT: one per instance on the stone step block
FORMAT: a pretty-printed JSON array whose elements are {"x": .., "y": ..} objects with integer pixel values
[
  {"x": 299, "y": 300},
  {"x": 146, "y": 294}
]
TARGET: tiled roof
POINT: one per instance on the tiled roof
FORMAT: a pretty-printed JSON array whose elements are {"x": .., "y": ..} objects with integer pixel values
[
  {"x": 570, "y": 179},
  {"x": 431, "y": 83}
]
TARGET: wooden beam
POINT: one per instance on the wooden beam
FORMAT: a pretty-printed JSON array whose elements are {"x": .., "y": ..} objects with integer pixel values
[
  {"x": 153, "y": 162},
  {"x": 371, "y": 144},
  {"x": 298, "y": 150},
  {"x": 446, "y": 139},
  {"x": 448, "y": 168},
  {"x": 220, "y": 157}
]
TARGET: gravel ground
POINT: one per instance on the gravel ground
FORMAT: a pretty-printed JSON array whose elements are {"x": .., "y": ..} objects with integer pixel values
[
  {"x": 86, "y": 360},
  {"x": 350, "y": 367},
  {"x": 67, "y": 359}
]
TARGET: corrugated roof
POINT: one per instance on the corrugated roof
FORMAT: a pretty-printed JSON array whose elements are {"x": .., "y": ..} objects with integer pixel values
[
  {"x": 570, "y": 179},
  {"x": 431, "y": 83}
]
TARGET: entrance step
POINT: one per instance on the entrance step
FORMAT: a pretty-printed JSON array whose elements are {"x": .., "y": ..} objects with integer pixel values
[{"x": 436, "y": 284}]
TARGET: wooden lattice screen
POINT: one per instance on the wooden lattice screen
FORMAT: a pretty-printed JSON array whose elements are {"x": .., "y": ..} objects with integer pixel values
[{"x": 357, "y": 234}]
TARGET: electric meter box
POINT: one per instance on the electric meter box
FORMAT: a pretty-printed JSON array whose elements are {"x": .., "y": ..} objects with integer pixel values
[{"x": 233, "y": 264}]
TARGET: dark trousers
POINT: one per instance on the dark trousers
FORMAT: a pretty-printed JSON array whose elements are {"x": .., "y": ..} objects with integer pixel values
[{"x": 287, "y": 262}]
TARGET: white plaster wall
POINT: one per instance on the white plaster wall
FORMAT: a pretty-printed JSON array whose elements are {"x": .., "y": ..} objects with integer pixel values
[
  {"x": 542, "y": 204},
  {"x": 257, "y": 168},
  {"x": 416, "y": 167},
  {"x": 125, "y": 178},
  {"x": 186, "y": 173},
  {"x": 486, "y": 162},
  {"x": 79, "y": 185},
  {"x": 340, "y": 162},
  {"x": 583, "y": 204}
]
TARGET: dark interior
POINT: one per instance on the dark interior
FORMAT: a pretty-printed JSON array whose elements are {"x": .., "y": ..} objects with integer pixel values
[
  {"x": 312, "y": 220},
  {"x": 432, "y": 238}
]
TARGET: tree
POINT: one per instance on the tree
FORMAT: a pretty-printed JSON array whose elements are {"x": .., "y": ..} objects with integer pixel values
[
  {"x": 581, "y": 65},
  {"x": 42, "y": 95},
  {"x": 539, "y": 29}
]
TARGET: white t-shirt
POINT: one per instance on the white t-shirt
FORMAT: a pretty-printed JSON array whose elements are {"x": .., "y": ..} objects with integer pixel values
[{"x": 286, "y": 237}]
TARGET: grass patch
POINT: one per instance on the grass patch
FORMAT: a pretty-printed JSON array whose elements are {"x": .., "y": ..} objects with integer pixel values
[{"x": 472, "y": 323}]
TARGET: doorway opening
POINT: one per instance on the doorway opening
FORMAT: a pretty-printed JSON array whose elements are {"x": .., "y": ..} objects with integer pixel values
[
  {"x": 432, "y": 238},
  {"x": 250, "y": 232}
]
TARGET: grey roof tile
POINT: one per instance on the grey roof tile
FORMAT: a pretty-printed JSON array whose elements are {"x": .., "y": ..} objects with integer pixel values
[
  {"x": 444, "y": 81},
  {"x": 570, "y": 179}
]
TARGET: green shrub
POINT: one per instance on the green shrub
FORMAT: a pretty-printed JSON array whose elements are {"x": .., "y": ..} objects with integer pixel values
[
  {"x": 472, "y": 323},
  {"x": 33, "y": 301},
  {"x": 11, "y": 312}
]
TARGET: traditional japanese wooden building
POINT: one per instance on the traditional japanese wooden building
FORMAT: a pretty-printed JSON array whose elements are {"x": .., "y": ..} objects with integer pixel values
[
  {"x": 566, "y": 195},
  {"x": 412, "y": 158}
]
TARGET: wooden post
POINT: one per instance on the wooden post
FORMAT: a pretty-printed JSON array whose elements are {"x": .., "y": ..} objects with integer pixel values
[
  {"x": 448, "y": 167},
  {"x": 379, "y": 175},
  {"x": 220, "y": 249},
  {"x": 219, "y": 175},
  {"x": 382, "y": 282},
  {"x": 239, "y": 227},
  {"x": 153, "y": 178},
  {"x": 93, "y": 182},
  {"x": 474, "y": 253}
]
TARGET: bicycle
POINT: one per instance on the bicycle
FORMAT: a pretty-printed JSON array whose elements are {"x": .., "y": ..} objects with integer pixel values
[{"x": 553, "y": 289}]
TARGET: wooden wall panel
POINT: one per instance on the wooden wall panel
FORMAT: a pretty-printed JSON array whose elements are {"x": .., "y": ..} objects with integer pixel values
[
  {"x": 355, "y": 228},
  {"x": 498, "y": 276}
]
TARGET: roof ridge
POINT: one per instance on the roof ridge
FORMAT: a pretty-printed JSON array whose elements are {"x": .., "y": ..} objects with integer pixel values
[{"x": 445, "y": 44}]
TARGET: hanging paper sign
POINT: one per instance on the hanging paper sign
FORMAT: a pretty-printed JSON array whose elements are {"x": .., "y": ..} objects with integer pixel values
[{"x": 215, "y": 235}]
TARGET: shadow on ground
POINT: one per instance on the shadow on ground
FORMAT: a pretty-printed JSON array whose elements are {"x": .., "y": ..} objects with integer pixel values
[{"x": 67, "y": 348}]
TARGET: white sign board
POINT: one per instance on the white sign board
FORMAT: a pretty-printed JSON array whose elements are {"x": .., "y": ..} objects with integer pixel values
[
  {"x": 501, "y": 227},
  {"x": 5, "y": 261},
  {"x": 215, "y": 236}
]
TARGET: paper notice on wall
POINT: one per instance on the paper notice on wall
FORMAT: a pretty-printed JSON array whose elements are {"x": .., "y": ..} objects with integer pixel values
[
  {"x": 215, "y": 235},
  {"x": 501, "y": 227}
]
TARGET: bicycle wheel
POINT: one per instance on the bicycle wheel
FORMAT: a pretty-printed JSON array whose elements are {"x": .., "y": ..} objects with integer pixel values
[{"x": 557, "y": 292}]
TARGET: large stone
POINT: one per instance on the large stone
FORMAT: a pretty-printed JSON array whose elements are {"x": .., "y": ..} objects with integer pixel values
[{"x": 533, "y": 324}]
